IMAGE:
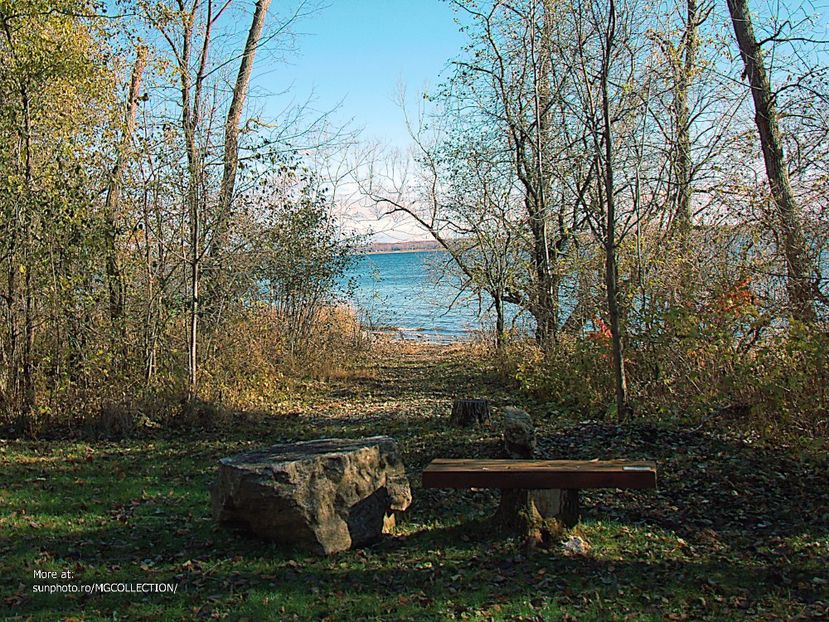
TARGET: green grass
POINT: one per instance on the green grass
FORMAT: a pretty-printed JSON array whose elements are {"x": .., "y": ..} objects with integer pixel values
[{"x": 733, "y": 532}]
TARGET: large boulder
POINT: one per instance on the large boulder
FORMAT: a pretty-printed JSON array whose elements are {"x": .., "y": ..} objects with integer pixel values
[{"x": 326, "y": 496}]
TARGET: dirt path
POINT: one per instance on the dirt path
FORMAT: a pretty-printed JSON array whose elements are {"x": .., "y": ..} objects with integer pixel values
[{"x": 403, "y": 383}]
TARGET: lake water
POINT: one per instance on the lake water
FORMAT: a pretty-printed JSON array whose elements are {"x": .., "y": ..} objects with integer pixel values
[{"x": 402, "y": 291}]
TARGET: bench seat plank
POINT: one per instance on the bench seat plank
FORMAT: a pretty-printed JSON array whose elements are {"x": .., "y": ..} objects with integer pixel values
[{"x": 537, "y": 474}]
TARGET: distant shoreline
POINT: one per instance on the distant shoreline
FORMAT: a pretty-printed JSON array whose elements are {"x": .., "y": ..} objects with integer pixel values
[
  {"x": 410, "y": 246},
  {"x": 421, "y": 335},
  {"x": 408, "y": 250}
]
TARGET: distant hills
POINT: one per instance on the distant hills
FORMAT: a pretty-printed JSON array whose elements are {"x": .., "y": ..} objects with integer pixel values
[{"x": 402, "y": 247}]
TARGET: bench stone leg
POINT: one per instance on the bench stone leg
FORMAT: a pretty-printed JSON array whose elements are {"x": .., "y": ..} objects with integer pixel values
[
  {"x": 527, "y": 511},
  {"x": 570, "y": 510},
  {"x": 562, "y": 505}
]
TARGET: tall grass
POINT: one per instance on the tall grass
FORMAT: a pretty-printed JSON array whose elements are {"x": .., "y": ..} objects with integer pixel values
[{"x": 251, "y": 361}]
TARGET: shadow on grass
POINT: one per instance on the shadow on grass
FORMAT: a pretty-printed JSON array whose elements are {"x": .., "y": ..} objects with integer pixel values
[
  {"x": 706, "y": 484},
  {"x": 432, "y": 573},
  {"x": 750, "y": 515}
]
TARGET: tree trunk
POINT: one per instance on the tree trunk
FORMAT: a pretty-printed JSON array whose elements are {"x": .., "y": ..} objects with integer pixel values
[
  {"x": 115, "y": 280},
  {"x": 536, "y": 180},
  {"x": 611, "y": 271},
  {"x": 195, "y": 281},
  {"x": 682, "y": 82},
  {"x": 499, "y": 321},
  {"x": 190, "y": 107},
  {"x": 788, "y": 214},
  {"x": 10, "y": 358},
  {"x": 27, "y": 366},
  {"x": 617, "y": 344},
  {"x": 545, "y": 303},
  {"x": 29, "y": 395},
  {"x": 214, "y": 249},
  {"x": 237, "y": 104}
]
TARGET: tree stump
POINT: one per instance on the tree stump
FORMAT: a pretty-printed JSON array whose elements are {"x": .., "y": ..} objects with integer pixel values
[
  {"x": 527, "y": 511},
  {"x": 540, "y": 514},
  {"x": 469, "y": 413}
]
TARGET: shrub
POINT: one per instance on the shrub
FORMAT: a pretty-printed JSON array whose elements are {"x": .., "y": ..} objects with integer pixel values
[
  {"x": 254, "y": 363},
  {"x": 693, "y": 370}
]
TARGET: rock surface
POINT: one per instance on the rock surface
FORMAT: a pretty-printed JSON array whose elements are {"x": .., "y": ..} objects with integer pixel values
[
  {"x": 326, "y": 495},
  {"x": 519, "y": 433}
]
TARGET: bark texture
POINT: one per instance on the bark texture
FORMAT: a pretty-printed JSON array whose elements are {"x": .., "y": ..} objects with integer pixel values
[
  {"x": 469, "y": 413},
  {"x": 115, "y": 280},
  {"x": 788, "y": 214}
]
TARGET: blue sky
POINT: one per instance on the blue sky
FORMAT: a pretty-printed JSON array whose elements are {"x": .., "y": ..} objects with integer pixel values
[{"x": 360, "y": 52}]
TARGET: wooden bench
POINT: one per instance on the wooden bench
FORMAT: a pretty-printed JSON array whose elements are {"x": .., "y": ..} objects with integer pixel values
[{"x": 565, "y": 476}]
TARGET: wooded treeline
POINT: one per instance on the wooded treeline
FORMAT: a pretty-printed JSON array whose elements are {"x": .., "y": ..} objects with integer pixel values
[
  {"x": 649, "y": 183},
  {"x": 144, "y": 209}
]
